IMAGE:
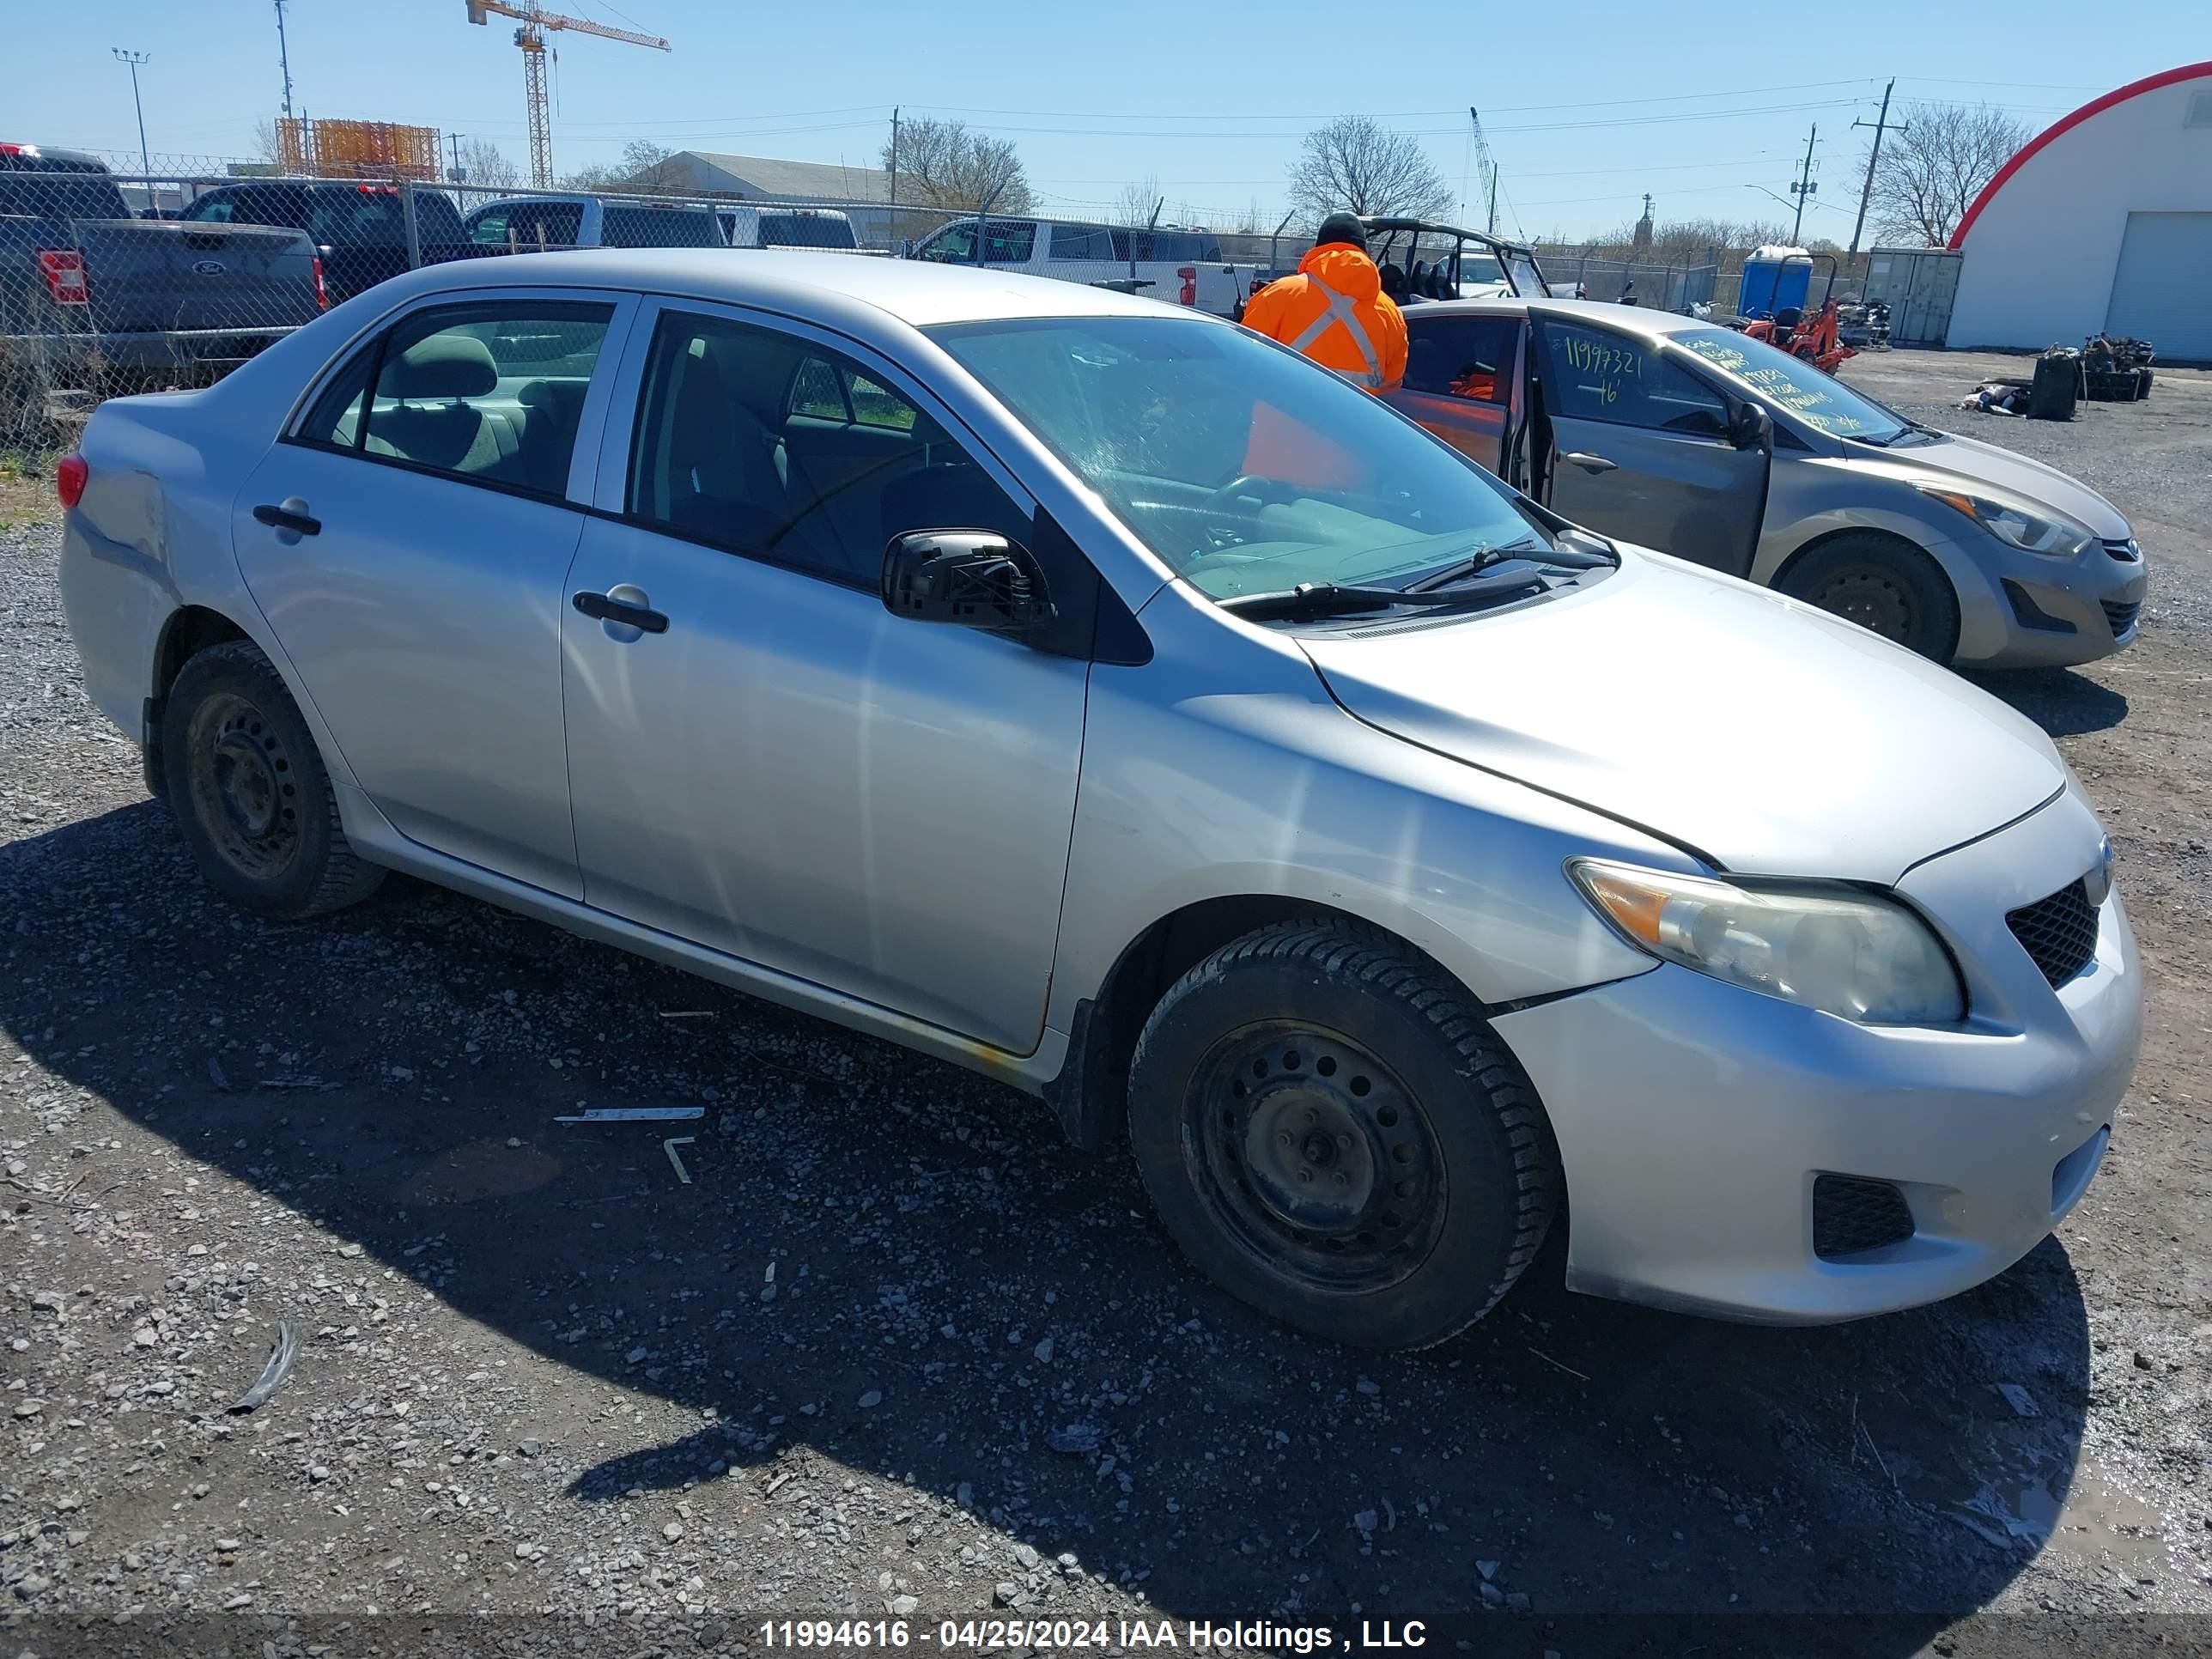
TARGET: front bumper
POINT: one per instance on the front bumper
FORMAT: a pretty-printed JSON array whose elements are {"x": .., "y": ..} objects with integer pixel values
[
  {"x": 1693, "y": 1118},
  {"x": 2022, "y": 610}
]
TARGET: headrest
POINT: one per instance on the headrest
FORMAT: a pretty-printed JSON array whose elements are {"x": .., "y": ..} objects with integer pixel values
[{"x": 443, "y": 366}]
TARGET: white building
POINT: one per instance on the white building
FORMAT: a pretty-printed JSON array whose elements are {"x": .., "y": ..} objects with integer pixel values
[{"x": 2102, "y": 224}]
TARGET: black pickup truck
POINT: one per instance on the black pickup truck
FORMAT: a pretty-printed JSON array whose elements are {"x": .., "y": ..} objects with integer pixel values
[
  {"x": 359, "y": 230},
  {"x": 85, "y": 286}
]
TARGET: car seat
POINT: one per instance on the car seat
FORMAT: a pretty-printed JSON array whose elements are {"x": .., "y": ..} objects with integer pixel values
[
  {"x": 722, "y": 480},
  {"x": 431, "y": 422}
]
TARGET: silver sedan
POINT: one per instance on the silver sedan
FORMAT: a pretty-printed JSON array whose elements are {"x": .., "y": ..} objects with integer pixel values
[
  {"x": 1104, "y": 698},
  {"x": 1722, "y": 449}
]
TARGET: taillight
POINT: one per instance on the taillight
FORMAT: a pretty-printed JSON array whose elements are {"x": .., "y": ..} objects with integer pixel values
[
  {"x": 69, "y": 478},
  {"x": 64, "y": 270},
  {"x": 1189, "y": 275},
  {"x": 322, "y": 293}
]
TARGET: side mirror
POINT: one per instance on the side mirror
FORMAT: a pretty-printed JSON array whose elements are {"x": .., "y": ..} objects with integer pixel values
[
  {"x": 1750, "y": 427},
  {"x": 970, "y": 578}
]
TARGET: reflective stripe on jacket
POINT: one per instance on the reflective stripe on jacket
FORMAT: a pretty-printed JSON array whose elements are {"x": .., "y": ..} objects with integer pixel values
[{"x": 1335, "y": 312}]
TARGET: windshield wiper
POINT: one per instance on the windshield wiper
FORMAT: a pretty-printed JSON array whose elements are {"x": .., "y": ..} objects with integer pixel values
[
  {"x": 1333, "y": 598},
  {"x": 1479, "y": 562}
]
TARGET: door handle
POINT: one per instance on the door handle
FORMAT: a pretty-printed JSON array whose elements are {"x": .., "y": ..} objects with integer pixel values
[
  {"x": 288, "y": 518},
  {"x": 1590, "y": 463},
  {"x": 604, "y": 608}
]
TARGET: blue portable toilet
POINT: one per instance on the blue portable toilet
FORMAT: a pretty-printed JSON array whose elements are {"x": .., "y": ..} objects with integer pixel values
[{"x": 1774, "y": 277}]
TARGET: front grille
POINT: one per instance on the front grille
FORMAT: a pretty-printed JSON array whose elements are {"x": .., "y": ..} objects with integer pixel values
[
  {"x": 2122, "y": 616},
  {"x": 2126, "y": 552},
  {"x": 1851, "y": 1213},
  {"x": 2059, "y": 933}
]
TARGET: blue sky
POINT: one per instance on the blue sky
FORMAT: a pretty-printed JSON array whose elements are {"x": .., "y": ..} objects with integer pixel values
[{"x": 1586, "y": 105}]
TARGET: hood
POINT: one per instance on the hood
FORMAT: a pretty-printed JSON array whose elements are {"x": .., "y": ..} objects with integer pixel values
[
  {"x": 1343, "y": 267},
  {"x": 1762, "y": 734},
  {"x": 1972, "y": 461}
]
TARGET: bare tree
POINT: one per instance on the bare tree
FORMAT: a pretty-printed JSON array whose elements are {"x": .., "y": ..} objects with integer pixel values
[
  {"x": 644, "y": 166},
  {"x": 1138, "y": 202},
  {"x": 1356, "y": 165},
  {"x": 266, "y": 146},
  {"x": 1253, "y": 220},
  {"x": 484, "y": 163},
  {"x": 1935, "y": 158},
  {"x": 942, "y": 164}
]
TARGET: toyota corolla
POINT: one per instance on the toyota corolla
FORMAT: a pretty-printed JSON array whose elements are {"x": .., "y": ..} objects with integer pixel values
[{"x": 1103, "y": 697}]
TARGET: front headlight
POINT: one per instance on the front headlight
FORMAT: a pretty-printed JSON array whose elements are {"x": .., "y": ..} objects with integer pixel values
[
  {"x": 2030, "y": 530},
  {"x": 1833, "y": 948}
]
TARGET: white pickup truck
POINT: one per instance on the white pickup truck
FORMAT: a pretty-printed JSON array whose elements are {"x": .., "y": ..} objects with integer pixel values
[{"x": 1183, "y": 267}]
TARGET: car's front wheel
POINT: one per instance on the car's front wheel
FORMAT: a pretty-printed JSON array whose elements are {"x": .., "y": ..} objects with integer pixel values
[
  {"x": 250, "y": 792},
  {"x": 1332, "y": 1133},
  {"x": 1885, "y": 585}
]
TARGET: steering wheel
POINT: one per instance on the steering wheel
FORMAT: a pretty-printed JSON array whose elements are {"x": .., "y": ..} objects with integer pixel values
[{"x": 1222, "y": 530}]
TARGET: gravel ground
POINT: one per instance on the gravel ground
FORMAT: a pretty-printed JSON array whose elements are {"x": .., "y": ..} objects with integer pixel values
[{"x": 895, "y": 1350}]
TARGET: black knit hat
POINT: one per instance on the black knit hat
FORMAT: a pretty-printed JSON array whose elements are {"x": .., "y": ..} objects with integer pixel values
[{"x": 1341, "y": 227}]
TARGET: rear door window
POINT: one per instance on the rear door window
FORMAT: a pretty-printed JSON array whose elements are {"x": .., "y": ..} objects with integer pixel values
[
  {"x": 491, "y": 392},
  {"x": 1466, "y": 357},
  {"x": 1596, "y": 375},
  {"x": 657, "y": 226}
]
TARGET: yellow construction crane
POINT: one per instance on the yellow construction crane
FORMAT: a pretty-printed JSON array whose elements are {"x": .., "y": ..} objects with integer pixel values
[{"x": 531, "y": 37}]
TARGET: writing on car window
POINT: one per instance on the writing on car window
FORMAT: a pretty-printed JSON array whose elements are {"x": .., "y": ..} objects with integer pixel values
[
  {"x": 1814, "y": 396},
  {"x": 1602, "y": 365}
]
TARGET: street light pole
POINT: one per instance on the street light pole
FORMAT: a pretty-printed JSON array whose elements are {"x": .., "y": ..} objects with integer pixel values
[{"x": 145, "y": 160}]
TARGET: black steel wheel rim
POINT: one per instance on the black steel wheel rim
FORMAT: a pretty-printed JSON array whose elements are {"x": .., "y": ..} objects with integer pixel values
[
  {"x": 244, "y": 788},
  {"x": 1313, "y": 1155},
  {"x": 1876, "y": 599}
]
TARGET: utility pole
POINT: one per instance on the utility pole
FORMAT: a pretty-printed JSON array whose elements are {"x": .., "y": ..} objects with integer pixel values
[
  {"x": 1804, "y": 187},
  {"x": 284, "y": 59},
  {"x": 895, "y": 115},
  {"x": 1879, "y": 123},
  {"x": 145, "y": 160},
  {"x": 453, "y": 150}
]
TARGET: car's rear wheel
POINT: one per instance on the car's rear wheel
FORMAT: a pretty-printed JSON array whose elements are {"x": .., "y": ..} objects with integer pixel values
[
  {"x": 1333, "y": 1134},
  {"x": 250, "y": 791},
  {"x": 1886, "y": 587}
]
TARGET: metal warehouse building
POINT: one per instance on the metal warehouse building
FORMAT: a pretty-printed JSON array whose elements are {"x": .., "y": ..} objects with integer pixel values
[{"x": 2103, "y": 223}]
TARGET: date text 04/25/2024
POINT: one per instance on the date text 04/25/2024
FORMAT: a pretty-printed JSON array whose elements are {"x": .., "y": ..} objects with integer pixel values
[{"x": 984, "y": 1635}]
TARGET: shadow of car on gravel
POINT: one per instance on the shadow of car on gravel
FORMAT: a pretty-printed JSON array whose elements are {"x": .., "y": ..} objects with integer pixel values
[
  {"x": 961, "y": 1302},
  {"x": 2065, "y": 704}
]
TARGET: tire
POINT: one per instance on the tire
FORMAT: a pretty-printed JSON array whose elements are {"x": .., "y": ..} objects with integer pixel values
[
  {"x": 1330, "y": 1048},
  {"x": 250, "y": 792},
  {"x": 1885, "y": 585}
]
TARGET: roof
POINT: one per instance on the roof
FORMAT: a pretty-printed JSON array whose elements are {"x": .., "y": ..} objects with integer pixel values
[
  {"x": 761, "y": 175},
  {"x": 1641, "y": 319},
  {"x": 2066, "y": 123},
  {"x": 837, "y": 288}
]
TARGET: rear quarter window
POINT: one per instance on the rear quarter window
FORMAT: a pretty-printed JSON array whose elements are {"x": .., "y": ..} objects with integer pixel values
[
  {"x": 652, "y": 227},
  {"x": 62, "y": 196}
]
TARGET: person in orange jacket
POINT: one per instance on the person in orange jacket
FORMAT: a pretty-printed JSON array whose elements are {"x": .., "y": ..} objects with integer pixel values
[{"x": 1334, "y": 310}]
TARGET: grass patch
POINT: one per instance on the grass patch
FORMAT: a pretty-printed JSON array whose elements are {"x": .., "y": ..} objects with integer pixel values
[{"x": 26, "y": 488}]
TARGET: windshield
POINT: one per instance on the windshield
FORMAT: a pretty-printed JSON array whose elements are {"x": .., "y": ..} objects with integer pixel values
[
  {"x": 1819, "y": 400},
  {"x": 1244, "y": 468},
  {"x": 1479, "y": 268}
]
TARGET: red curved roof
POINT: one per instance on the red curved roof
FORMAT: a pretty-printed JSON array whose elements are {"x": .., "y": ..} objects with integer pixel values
[{"x": 2065, "y": 125}]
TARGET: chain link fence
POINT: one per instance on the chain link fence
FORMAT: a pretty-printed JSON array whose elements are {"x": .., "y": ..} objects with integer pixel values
[
  {"x": 129, "y": 274},
  {"x": 1662, "y": 285},
  {"x": 123, "y": 273}
]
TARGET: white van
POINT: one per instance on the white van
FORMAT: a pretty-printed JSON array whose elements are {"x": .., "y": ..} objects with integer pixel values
[
  {"x": 788, "y": 226},
  {"x": 1184, "y": 267}
]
